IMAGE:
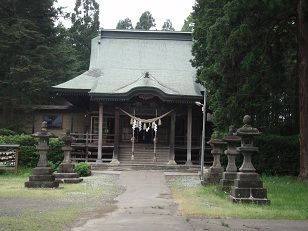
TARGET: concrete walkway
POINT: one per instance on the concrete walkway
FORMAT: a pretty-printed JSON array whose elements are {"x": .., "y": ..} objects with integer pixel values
[{"x": 147, "y": 205}]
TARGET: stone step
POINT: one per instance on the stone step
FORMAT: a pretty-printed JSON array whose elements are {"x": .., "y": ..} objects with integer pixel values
[{"x": 126, "y": 166}]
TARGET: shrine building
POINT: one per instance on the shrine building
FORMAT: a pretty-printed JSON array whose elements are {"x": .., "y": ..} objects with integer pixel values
[{"x": 136, "y": 103}]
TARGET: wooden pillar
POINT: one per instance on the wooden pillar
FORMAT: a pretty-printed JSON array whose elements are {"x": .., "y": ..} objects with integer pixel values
[
  {"x": 189, "y": 127},
  {"x": 115, "y": 156},
  {"x": 72, "y": 122},
  {"x": 172, "y": 137},
  {"x": 100, "y": 133}
]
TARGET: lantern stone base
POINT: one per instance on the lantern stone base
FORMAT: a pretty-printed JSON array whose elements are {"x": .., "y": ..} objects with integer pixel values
[
  {"x": 248, "y": 188},
  {"x": 66, "y": 174},
  {"x": 41, "y": 178},
  {"x": 227, "y": 181},
  {"x": 213, "y": 175}
]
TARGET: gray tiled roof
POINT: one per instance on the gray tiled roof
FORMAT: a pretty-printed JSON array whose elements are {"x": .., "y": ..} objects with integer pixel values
[{"x": 121, "y": 59}]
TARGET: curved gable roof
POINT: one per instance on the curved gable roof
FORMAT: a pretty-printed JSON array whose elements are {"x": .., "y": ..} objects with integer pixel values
[{"x": 120, "y": 59}]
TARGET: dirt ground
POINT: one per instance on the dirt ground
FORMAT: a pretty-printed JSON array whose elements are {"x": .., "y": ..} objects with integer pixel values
[{"x": 56, "y": 209}]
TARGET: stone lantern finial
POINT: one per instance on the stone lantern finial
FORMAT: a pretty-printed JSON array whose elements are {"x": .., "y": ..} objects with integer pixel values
[
  {"x": 44, "y": 126},
  {"x": 247, "y": 120}
]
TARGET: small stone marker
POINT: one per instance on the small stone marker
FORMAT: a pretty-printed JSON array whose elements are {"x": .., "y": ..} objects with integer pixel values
[
  {"x": 248, "y": 187},
  {"x": 42, "y": 174},
  {"x": 214, "y": 173},
  {"x": 231, "y": 171},
  {"x": 66, "y": 172}
]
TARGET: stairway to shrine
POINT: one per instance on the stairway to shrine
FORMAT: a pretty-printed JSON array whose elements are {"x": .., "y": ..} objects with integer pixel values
[{"x": 144, "y": 154}]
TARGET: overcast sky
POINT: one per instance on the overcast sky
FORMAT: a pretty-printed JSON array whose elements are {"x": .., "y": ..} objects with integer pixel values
[{"x": 111, "y": 11}]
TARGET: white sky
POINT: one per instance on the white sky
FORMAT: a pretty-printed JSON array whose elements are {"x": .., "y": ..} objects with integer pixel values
[{"x": 111, "y": 11}]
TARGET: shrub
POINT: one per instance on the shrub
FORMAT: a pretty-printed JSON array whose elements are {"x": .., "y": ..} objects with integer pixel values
[
  {"x": 28, "y": 155},
  {"x": 6, "y": 132},
  {"x": 83, "y": 169},
  {"x": 55, "y": 153},
  {"x": 278, "y": 155}
]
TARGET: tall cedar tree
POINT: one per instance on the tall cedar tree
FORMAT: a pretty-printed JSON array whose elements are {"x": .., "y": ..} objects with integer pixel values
[
  {"x": 302, "y": 10},
  {"x": 85, "y": 26},
  {"x": 246, "y": 53},
  {"x": 31, "y": 60},
  {"x": 188, "y": 24},
  {"x": 146, "y": 21}
]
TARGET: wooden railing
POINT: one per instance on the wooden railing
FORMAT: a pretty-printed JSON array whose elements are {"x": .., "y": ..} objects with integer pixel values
[{"x": 85, "y": 146}]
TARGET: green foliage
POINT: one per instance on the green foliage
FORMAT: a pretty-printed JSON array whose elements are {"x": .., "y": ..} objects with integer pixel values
[
  {"x": 125, "y": 24},
  {"x": 146, "y": 21},
  {"x": 28, "y": 155},
  {"x": 188, "y": 25},
  {"x": 167, "y": 26},
  {"x": 6, "y": 132},
  {"x": 83, "y": 169},
  {"x": 246, "y": 56},
  {"x": 34, "y": 55},
  {"x": 55, "y": 153},
  {"x": 278, "y": 155},
  {"x": 85, "y": 20}
]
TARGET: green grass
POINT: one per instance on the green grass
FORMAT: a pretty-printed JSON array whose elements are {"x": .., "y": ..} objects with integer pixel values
[
  {"x": 51, "y": 209},
  {"x": 289, "y": 200}
]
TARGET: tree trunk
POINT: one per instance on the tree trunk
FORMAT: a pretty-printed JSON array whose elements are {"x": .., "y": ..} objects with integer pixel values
[{"x": 303, "y": 88}]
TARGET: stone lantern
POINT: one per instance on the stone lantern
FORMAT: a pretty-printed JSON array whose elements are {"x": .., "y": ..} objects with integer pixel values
[
  {"x": 214, "y": 173},
  {"x": 42, "y": 174},
  {"x": 229, "y": 175},
  {"x": 248, "y": 187},
  {"x": 66, "y": 172}
]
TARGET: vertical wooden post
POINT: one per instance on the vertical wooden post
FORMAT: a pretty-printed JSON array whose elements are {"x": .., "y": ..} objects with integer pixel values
[
  {"x": 172, "y": 137},
  {"x": 100, "y": 133},
  {"x": 72, "y": 122},
  {"x": 115, "y": 157},
  {"x": 188, "y": 141}
]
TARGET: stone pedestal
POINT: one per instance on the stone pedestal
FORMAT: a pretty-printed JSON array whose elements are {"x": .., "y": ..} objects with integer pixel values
[
  {"x": 42, "y": 175},
  {"x": 231, "y": 170},
  {"x": 66, "y": 172},
  {"x": 248, "y": 188},
  {"x": 214, "y": 173},
  {"x": 42, "y": 178}
]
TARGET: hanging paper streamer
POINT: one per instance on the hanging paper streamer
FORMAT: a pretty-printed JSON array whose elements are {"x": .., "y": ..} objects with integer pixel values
[
  {"x": 159, "y": 122},
  {"x": 140, "y": 125},
  {"x": 131, "y": 121}
]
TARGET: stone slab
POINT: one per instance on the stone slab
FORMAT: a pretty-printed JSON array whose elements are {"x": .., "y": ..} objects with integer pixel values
[
  {"x": 216, "y": 170},
  {"x": 69, "y": 180},
  {"x": 41, "y": 184},
  {"x": 229, "y": 175},
  {"x": 66, "y": 168},
  {"x": 66, "y": 175},
  {"x": 248, "y": 184},
  {"x": 41, "y": 178},
  {"x": 248, "y": 176},
  {"x": 259, "y": 201},
  {"x": 248, "y": 192},
  {"x": 42, "y": 171}
]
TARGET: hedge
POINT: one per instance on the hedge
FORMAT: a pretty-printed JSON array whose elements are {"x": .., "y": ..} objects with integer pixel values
[
  {"x": 28, "y": 155},
  {"x": 278, "y": 155}
]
